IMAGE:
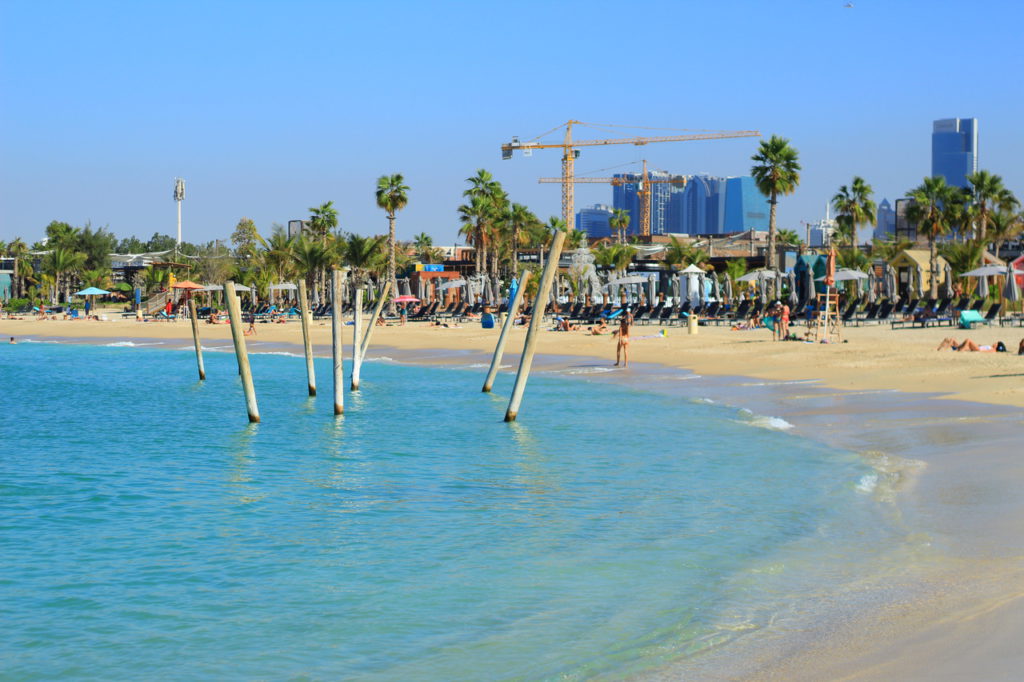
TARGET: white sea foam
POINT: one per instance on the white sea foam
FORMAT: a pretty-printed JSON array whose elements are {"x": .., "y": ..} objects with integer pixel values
[
  {"x": 277, "y": 352},
  {"x": 783, "y": 383},
  {"x": 705, "y": 401},
  {"x": 867, "y": 484},
  {"x": 132, "y": 344},
  {"x": 588, "y": 370},
  {"x": 763, "y": 421},
  {"x": 379, "y": 358}
]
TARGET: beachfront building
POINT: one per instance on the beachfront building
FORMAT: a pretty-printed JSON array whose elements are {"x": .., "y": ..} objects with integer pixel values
[
  {"x": 700, "y": 207},
  {"x": 885, "y": 227},
  {"x": 955, "y": 149},
  {"x": 594, "y": 220},
  {"x": 913, "y": 272}
]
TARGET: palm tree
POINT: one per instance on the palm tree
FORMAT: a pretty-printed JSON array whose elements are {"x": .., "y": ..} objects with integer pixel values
[
  {"x": 789, "y": 238},
  {"x": 854, "y": 208},
  {"x": 887, "y": 249},
  {"x": 1004, "y": 226},
  {"x": 310, "y": 258},
  {"x": 620, "y": 223},
  {"x": 962, "y": 256},
  {"x": 62, "y": 263},
  {"x": 19, "y": 251},
  {"x": 392, "y": 196},
  {"x": 519, "y": 220},
  {"x": 473, "y": 216},
  {"x": 985, "y": 191},
  {"x": 363, "y": 255},
  {"x": 934, "y": 206},
  {"x": 574, "y": 240},
  {"x": 676, "y": 253},
  {"x": 322, "y": 220},
  {"x": 776, "y": 171}
]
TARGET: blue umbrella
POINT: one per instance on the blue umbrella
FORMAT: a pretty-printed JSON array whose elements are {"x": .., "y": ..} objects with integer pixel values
[{"x": 91, "y": 291}]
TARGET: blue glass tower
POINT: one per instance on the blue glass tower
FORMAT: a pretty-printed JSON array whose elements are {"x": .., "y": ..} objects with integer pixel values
[
  {"x": 955, "y": 149},
  {"x": 594, "y": 220},
  {"x": 703, "y": 205},
  {"x": 625, "y": 196},
  {"x": 745, "y": 207}
]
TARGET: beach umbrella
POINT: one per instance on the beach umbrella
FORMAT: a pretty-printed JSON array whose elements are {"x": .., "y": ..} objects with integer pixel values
[
  {"x": 791, "y": 282},
  {"x": 778, "y": 284},
  {"x": 891, "y": 289},
  {"x": 716, "y": 288},
  {"x": 283, "y": 286},
  {"x": 808, "y": 283},
  {"x": 421, "y": 289},
  {"x": 920, "y": 282},
  {"x": 830, "y": 268},
  {"x": 92, "y": 291},
  {"x": 677, "y": 288},
  {"x": 845, "y": 275},
  {"x": 403, "y": 287},
  {"x": 405, "y": 298},
  {"x": 631, "y": 279},
  {"x": 488, "y": 290},
  {"x": 947, "y": 283},
  {"x": 989, "y": 271},
  {"x": 1011, "y": 292},
  {"x": 451, "y": 283},
  {"x": 762, "y": 294},
  {"x": 756, "y": 275},
  {"x": 728, "y": 289},
  {"x": 512, "y": 288},
  {"x": 188, "y": 285},
  {"x": 652, "y": 287}
]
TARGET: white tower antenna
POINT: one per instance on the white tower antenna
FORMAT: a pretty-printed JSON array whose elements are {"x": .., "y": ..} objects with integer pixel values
[{"x": 179, "y": 196}]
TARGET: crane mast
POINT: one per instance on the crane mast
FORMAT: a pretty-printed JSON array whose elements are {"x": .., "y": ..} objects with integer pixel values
[{"x": 570, "y": 152}]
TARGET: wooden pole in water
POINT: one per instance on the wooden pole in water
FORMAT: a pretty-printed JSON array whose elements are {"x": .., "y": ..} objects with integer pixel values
[
  {"x": 526, "y": 361},
  {"x": 195, "y": 337},
  {"x": 336, "y": 326},
  {"x": 358, "y": 362},
  {"x": 235, "y": 313},
  {"x": 306, "y": 341},
  {"x": 357, "y": 324},
  {"x": 499, "y": 350}
]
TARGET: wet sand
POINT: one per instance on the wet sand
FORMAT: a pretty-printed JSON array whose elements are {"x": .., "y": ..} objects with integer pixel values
[{"x": 944, "y": 429}]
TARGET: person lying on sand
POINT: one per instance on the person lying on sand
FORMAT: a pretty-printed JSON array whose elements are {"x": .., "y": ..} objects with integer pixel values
[
  {"x": 600, "y": 328},
  {"x": 562, "y": 325},
  {"x": 970, "y": 346}
]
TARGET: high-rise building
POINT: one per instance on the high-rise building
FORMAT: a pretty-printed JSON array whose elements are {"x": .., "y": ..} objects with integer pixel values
[
  {"x": 594, "y": 220},
  {"x": 955, "y": 149},
  {"x": 745, "y": 207},
  {"x": 625, "y": 196},
  {"x": 700, "y": 208},
  {"x": 886, "y": 225}
]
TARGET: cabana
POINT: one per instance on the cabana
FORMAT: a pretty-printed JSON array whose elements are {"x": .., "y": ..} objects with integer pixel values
[
  {"x": 913, "y": 272},
  {"x": 816, "y": 264}
]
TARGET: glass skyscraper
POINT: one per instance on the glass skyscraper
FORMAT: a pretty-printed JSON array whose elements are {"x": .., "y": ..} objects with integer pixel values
[
  {"x": 955, "y": 149},
  {"x": 594, "y": 220},
  {"x": 625, "y": 196},
  {"x": 745, "y": 207}
]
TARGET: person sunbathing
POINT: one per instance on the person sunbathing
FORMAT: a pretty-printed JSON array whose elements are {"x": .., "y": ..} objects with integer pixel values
[
  {"x": 600, "y": 328},
  {"x": 970, "y": 346}
]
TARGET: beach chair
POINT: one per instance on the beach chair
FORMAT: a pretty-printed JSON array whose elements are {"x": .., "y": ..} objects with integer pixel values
[
  {"x": 978, "y": 305},
  {"x": 870, "y": 315},
  {"x": 162, "y": 315},
  {"x": 665, "y": 314},
  {"x": 962, "y": 304}
]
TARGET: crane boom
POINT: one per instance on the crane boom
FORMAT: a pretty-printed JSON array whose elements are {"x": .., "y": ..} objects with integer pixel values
[{"x": 570, "y": 153}]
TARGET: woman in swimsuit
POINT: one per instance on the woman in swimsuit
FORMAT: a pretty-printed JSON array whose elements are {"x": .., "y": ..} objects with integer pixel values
[{"x": 622, "y": 348}]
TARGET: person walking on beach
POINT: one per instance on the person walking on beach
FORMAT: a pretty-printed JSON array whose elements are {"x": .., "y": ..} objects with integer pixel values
[{"x": 622, "y": 347}]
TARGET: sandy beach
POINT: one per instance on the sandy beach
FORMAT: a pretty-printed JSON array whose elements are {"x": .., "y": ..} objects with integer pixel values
[
  {"x": 966, "y": 622},
  {"x": 873, "y": 357}
]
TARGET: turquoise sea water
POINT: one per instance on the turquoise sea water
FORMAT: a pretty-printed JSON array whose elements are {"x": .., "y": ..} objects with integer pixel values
[{"x": 146, "y": 530}]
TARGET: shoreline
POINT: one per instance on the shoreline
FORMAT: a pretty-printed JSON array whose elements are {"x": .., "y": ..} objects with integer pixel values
[{"x": 960, "y": 622}]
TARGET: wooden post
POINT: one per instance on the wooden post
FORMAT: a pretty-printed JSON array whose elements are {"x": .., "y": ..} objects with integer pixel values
[
  {"x": 499, "y": 350},
  {"x": 357, "y": 323},
  {"x": 336, "y": 325},
  {"x": 238, "y": 335},
  {"x": 361, "y": 350},
  {"x": 306, "y": 341},
  {"x": 195, "y": 337},
  {"x": 526, "y": 361}
]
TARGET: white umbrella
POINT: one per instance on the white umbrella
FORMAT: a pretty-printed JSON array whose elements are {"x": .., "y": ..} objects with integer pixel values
[
  {"x": 793, "y": 298},
  {"x": 677, "y": 289},
  {"x": 947, "y": 283},
  {"x": 716, "y": 288},
  {"x": 283, "y": 286},
  {"x": 809, "y": 290},
  {"x": 847, "y": 275},
  {"x": 451, "y": 283},
  {"x": 220, "y": 287},
  {"x": 691, "y": 269},
  {"x": 990, "y": 271},
  {"x": 891, "y": 290},
  {"x": 728, "y": 289},
  {"x": 631, "y": 279},
  {"x": 756, "y": 275},
  {"x": 920, "y": 282}
]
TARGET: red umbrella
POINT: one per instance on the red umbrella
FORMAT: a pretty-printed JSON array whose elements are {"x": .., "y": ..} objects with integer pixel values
[
  {"x": 830, "y": 268},
  {"x": 406, "y": 299}
]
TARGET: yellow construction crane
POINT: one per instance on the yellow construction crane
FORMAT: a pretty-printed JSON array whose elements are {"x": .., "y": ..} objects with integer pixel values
[
  {"x": 570, "y": 153},
  {"x": 643, "y": 191}
]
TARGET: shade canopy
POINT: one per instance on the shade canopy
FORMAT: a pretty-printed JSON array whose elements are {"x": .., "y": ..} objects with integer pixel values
[
  {"x": 691, "y": 269},
  {"x": 406, "y": 299},
  {"x": 846, "y": 275},
  {"x": 92, "y": 291},
  {"x": 632, "y": 279},
  {"x": 220, "y": 287},
  {"x": 757, "y": 275},
  {"x": 284, "y": 286},
  {"x": 990, "y": 271},
  {"x": 187, "y": 284}
]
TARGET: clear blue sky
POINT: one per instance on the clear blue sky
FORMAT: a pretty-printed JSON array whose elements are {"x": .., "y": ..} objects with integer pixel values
[{"x": 268, "y": 108}]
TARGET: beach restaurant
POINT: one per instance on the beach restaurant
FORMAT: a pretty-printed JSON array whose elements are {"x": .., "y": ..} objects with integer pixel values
[{"x": 913, "y": 272}]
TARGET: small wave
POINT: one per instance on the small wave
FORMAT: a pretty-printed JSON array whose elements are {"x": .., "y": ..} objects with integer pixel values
[
  {"x": 276, "y": 352},
  {"x": 764, "y": 421},
  {"x": 705, "y": 401},
  {"x": 131, "y": 344},
  {"x": 36, "y": 341},
  {"x": 867, "y": 484},
  {"x": 588, "y": 370},
  {"x": 382, "y": 358},
  {"x": 783, "y": 383}
]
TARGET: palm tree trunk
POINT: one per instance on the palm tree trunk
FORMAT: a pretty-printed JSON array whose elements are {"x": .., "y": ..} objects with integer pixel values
[
  {"x": 933, "y": 265},
  {"x": 770, "y": 260},
  {"x": 391, "y": 263},
  {"x": 515, "y": 251}
]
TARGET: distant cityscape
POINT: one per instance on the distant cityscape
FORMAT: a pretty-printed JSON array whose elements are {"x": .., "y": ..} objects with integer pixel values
[{"x": 703, "y": 204}]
